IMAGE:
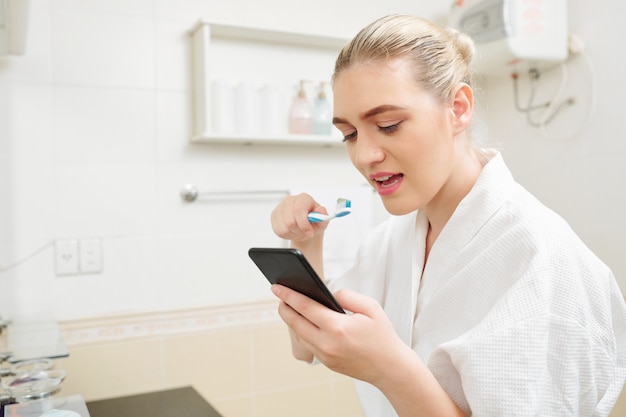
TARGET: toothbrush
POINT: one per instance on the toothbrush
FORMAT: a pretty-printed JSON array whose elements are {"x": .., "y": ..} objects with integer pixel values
[{"x": 342, "y": 208}]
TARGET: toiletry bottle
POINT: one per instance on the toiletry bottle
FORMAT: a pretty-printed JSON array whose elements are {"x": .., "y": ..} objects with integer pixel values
[
  {"x": 322, "y": 115},
  {"x": 300, "y": 113}
]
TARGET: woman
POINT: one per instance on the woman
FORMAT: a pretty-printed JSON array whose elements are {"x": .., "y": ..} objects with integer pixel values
[{"x": 473, "y": 298}]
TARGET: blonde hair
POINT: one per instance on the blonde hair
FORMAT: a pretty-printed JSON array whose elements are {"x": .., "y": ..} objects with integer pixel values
[{"x": 440, "y": 56}]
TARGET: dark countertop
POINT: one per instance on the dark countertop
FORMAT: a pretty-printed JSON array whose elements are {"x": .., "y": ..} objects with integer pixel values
[{"x": 179, "y": 402}]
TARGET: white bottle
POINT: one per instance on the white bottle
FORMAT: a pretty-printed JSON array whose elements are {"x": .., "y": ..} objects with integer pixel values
[
  {"x": 271, "y": 112},
  {"x": 222, "y": 107},
  {"x": 247, "y": 105},
  {"x": 300, "y": 113},
  {"x": 322, "y": 113}
]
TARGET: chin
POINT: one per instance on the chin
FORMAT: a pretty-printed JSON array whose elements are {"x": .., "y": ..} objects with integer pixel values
[{"x": 397, "y": 208}]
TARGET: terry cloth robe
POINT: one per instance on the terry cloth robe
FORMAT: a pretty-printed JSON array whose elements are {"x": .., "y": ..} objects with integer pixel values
[{"x": 513, "y": 314}]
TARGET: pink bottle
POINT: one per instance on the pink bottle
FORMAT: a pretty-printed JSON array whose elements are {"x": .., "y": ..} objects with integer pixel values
[{"x": 301, "y": 113}]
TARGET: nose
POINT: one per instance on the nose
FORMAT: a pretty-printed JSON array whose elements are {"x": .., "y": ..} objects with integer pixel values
[{"x": 366, "y": 151}]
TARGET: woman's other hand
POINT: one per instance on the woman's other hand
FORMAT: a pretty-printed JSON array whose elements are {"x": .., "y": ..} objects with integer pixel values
[{"x": 290, "y": 219}]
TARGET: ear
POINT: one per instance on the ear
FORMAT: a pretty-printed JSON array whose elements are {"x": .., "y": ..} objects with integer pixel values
[{"x": 462, "y": 107}]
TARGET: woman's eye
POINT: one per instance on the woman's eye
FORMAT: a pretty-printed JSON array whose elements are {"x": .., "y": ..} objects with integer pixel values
[
  {"x": 389, "y": 129},
  {"x": 349, "y": 136}
]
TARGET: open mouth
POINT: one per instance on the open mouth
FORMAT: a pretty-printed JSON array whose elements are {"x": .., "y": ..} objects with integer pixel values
[{"x": 388, "y": 180}]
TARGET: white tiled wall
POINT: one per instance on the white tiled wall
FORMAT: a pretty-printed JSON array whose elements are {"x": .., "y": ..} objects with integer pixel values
[{"x": 95, "y": 122}]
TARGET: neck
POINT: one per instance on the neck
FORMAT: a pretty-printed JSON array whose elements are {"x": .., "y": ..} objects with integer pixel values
[{"x": 461, "y": 180}]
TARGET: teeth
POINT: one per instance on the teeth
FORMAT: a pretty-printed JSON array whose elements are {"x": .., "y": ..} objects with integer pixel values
[{"x": 385, "y": 178}]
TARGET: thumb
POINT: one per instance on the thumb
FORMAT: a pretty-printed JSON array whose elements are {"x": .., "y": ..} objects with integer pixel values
[{"x": 357, "y": 303}]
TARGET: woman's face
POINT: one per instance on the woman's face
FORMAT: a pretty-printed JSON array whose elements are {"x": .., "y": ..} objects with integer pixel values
[{"x": 397, "y": 135}]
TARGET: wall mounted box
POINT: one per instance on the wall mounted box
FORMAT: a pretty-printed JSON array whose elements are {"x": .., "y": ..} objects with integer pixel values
[
  {"x": 13, "y": 26},
  {"x": 514, "y": 35}
]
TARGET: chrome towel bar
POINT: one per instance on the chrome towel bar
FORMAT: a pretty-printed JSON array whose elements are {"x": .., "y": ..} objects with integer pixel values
[{"x": 190, "y": 193}]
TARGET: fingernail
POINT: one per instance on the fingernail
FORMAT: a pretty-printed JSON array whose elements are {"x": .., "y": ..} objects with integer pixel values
[{"x": 275, "y": 289}]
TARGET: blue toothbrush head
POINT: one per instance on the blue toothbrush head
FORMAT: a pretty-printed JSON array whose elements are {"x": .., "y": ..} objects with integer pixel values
[{"x": 344, "y": 202}]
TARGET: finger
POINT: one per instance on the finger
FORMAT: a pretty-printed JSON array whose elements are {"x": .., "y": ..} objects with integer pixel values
[
  {"x": 357, "y": 303},
  {"x": 300, "y": 208},
  {"x": 283, "y": 225},
  {"x": 304, "y": 204},
  {"x": 290, "y": 218},
  {"x": 301, "y": 329},
  {"x": 300, "y": 349},
  {"x": 296, "y": 322},
  {"x": 304, "y": 306}
]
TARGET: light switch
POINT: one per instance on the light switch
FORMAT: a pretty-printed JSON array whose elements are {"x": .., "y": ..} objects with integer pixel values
[{"x": 90, "y": 255}]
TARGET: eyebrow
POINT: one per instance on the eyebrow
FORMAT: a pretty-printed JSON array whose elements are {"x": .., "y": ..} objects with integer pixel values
[
  {"x": 372, "y": 112},
  {"x": 380, "y": 109}
]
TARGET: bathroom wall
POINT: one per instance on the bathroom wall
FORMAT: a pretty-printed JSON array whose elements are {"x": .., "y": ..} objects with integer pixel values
[
  {"x": 95, "y": 127},
  {"x": 578, "y": 165},
  {"x": 95, "y": 123}
]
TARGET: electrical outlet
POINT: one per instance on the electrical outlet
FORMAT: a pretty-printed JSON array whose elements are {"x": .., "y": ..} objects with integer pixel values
[
  {"x": 90, "y": 255},
  {"x": 66, "y": 256}
]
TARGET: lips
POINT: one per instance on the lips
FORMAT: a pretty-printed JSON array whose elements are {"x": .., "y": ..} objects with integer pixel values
[{"x": 387, "y": 183}]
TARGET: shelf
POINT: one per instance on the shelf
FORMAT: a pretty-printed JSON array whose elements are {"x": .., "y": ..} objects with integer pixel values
[
  {"x": 257, "y": 34},
  {"x": 202, "y": 34},
  {"x": 287, "y": 140}
]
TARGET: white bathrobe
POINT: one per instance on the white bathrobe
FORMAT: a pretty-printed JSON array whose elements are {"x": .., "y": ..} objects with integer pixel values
[{"x": 513, "y": 314}]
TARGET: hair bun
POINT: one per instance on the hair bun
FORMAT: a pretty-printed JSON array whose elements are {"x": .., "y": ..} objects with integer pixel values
[{"x": 464, "y": 44}]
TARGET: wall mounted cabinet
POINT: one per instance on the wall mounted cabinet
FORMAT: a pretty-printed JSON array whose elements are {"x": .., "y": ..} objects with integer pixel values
[
  {"x": 203, "y": 34},
  {"x": 14, "y": 16}
]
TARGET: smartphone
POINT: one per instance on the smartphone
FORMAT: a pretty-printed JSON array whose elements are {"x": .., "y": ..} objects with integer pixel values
[{"x": 290, "y": 268}]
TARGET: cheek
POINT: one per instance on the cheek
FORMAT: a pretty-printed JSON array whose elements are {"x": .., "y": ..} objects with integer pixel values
[{"x": 352, "y": 154}]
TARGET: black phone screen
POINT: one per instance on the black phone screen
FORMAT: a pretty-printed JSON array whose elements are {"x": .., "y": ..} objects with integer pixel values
[{"x": 290, "y": 268}]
